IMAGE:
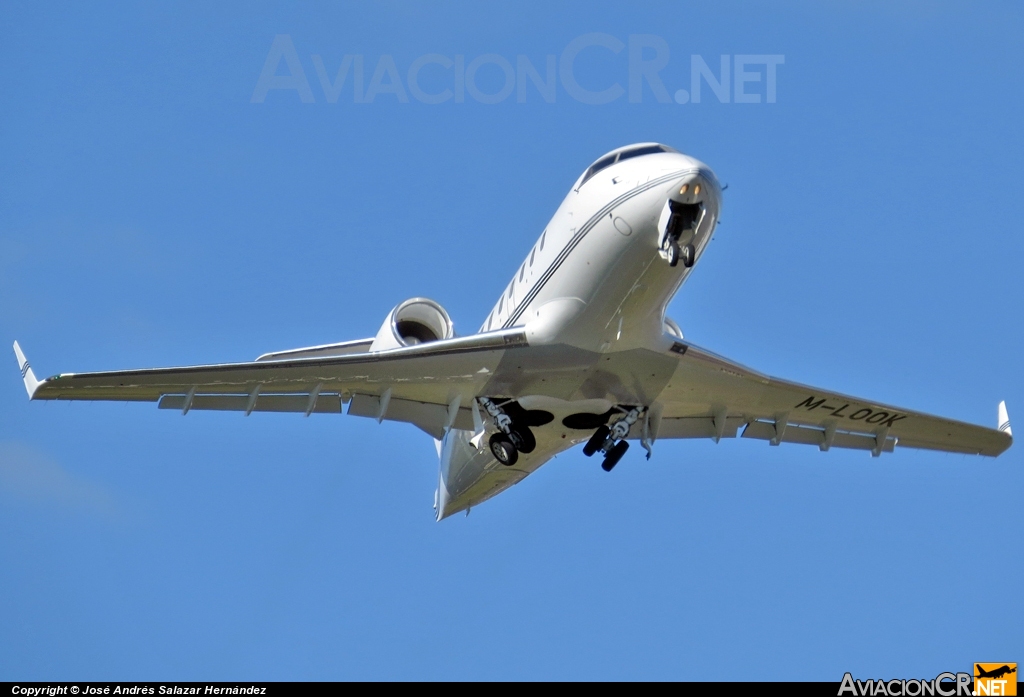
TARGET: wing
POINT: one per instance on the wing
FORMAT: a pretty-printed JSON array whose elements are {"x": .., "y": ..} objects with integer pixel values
[
  {"x": 423, "y": 384},
  {"x": 747, "y": 404}
]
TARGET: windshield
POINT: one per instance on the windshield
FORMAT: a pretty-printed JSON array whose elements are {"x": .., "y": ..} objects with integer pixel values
[{"x": 609, "y": 160}]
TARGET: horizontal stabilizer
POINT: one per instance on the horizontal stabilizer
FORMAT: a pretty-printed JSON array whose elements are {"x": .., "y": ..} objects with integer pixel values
[{"x": 26, "y": 372}]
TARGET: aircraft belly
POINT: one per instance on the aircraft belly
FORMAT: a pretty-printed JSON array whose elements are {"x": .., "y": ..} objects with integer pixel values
[
  {"x": 562, "y": 380},
  {"x": 634, "y": 376},
  {"x": 469, "y": 476}
]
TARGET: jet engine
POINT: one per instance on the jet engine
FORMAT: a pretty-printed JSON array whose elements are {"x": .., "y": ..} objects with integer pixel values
[{"x": 415, "y": 321}]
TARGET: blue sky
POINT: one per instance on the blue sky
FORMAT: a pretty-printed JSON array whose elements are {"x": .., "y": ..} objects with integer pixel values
[{"x": 152, "y": 214}]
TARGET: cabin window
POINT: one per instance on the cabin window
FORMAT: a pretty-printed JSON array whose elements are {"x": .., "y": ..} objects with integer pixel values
[
  {"x": 532, "y": 255},
  {"x": 522, "y": 270},
  {"x": 542, "y": 236},
  {"x": 501, "y": 304}
]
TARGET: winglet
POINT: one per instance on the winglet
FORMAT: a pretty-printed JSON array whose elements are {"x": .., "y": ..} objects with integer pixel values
[
  {"x": 1004, "y": 420},
  {"x": 31, "y": 384}
]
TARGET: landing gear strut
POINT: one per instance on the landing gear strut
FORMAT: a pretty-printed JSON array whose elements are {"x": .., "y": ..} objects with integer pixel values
[
  {"x": 512, "y": 438},
  {"x": 611, "y": 440}
]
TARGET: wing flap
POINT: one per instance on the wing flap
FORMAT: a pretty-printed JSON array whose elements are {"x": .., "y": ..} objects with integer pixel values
[
  {"x": 691, "y": 427},
  {"x": 427, "y": 416},
  {"x": 807, "y": 435},
  {"x": 704, "y": 427},
  {"x": 324, "y": 404}
]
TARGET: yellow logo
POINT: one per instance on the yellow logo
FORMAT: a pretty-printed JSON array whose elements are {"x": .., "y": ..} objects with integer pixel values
[{"x": 995, "y": 679}]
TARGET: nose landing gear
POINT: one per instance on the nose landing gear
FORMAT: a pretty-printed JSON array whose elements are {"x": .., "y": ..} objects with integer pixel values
[
  {"x": 611, "y": 440},
  {"x": 682, "y": 224}
]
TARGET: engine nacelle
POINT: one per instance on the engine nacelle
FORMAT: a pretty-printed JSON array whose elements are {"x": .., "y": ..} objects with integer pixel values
[{"x": 415, "y": 321}]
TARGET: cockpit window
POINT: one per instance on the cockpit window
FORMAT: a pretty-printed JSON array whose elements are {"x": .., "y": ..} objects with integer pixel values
[
  {"x": 598, "y": 166},
  {"x": 637, "y": 152},
  {"x": 624, "y": 155}
]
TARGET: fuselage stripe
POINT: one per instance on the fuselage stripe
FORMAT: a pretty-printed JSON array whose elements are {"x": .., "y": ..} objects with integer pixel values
[{"x": 578, "y": 237}]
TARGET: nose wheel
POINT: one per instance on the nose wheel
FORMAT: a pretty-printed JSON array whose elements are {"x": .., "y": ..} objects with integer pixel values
[
  {"x": 689, "y": 255},
  {"x": 675, "y": 254}
]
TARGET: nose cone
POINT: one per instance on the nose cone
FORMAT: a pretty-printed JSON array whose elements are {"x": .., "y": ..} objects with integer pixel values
[{"x": 700, "y": 186}]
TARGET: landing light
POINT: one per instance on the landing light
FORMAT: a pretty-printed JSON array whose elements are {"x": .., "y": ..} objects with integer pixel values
[
  {"x": 696, "y": 190},
  {"x": 684, "y": 188}
]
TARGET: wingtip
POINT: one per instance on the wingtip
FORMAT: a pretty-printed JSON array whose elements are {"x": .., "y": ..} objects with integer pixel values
[
  {"x": 31, "y": 383},
  {"x": 1004, "y": 420}
]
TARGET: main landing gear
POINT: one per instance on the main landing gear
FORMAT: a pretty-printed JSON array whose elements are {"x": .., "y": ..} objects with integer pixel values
[
  {"x": 504, "y": 450},
  {"x": 512, "y": 437},
  {"x": 611, "y": 440}
]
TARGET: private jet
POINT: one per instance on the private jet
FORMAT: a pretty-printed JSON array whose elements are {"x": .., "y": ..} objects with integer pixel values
[{"x": 576, "y": 350}]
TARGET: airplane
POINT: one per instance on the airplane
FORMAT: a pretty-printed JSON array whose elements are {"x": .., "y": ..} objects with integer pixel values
[
  {"x": 995, "y": 673},
  {"x": 577, "y": 350}
]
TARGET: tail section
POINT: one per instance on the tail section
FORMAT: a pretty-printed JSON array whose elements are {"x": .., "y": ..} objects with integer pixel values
[
  {"x": 1004, "y": 420},
  {"x": 31, "y": 384}
]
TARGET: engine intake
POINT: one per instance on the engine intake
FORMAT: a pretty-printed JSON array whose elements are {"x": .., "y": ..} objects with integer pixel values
[{"x": 415, "y": 321}]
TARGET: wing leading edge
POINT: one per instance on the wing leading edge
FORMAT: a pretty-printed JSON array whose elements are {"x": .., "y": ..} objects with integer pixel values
[{"x": 748, "y": 404}]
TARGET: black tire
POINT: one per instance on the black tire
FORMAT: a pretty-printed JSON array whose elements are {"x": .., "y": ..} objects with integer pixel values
[
  {"x": 673, "y": 253},
  {"x": 503, "y": 450},
  {"x": 614, "y": 455},
  {"x": 689, "y": 255},
  {"x": 596, "y": 441},
  {"x": 523, "y": 439}
]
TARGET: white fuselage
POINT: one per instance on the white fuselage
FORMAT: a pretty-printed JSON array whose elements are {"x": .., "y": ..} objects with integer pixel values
[{"x": 598, "y": 281}]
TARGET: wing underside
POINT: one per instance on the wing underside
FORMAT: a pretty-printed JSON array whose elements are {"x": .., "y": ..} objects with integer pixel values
[
  {"x": 711, "y": 397},
  {"x": 423, "y": 384}
]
